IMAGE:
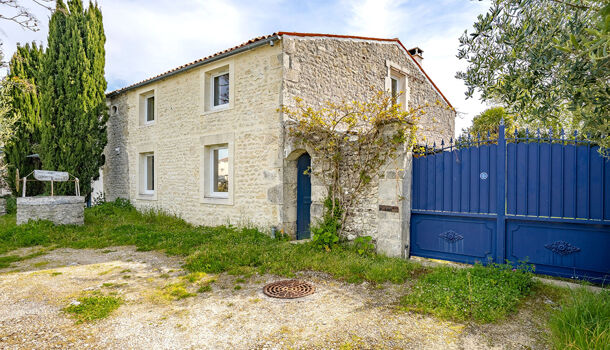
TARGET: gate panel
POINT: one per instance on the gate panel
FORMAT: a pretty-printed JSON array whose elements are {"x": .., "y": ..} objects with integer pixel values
[
  {"x": 559, "y": 248},
  {"x": 463, "y": 239},
  {"x": 522, "y": 199}
]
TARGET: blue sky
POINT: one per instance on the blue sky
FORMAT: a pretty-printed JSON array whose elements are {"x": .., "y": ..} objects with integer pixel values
[{"x": 147, "y": 37}]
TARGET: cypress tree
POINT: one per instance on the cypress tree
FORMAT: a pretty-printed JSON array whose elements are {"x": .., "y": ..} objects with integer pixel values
[
  {"x": 24, "y": 76},
  {"x": 73, "y": 102}
]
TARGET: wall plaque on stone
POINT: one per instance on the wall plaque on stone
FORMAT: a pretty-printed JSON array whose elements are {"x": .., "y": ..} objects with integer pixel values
[
  {"x": 388, "y": 208},
  {"x": 47, "y": 175}
]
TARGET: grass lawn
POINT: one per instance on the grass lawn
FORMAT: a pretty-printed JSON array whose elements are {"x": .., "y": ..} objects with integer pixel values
[{"x": 240, "y": 251}]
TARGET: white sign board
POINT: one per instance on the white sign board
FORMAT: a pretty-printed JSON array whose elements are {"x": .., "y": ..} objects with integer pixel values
[{"x": 47, "y": 175}]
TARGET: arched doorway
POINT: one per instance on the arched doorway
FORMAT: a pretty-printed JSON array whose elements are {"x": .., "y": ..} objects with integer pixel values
[{"x": 303, "y": 196}]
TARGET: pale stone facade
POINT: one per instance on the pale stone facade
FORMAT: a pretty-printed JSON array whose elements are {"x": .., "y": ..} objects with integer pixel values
[{"x": 265, "y": 73}]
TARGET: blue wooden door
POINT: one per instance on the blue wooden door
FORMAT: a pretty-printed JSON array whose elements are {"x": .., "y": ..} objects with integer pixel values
[
  {"x": 544, "y": 200},
  {"x": 303, "y": 196}
]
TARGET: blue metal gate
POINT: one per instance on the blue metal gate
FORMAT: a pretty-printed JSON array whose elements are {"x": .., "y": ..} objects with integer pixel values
[{"x": 544, "y": 200}]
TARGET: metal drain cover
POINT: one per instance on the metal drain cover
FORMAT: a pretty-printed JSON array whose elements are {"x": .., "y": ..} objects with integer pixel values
[{"x": 288, "y": 289}]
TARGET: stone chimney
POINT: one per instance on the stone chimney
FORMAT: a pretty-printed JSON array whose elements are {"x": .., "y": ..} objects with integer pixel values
[{"x": 417, "y": 53}]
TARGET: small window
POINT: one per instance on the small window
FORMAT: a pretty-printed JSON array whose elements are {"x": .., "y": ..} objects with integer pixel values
[
  {"x": 150, "y": 109},
  {"x": 398, "y": 88},
  {"x": 395, "y": 89},
  {"x": 220, "y": 88},
  {"x": 148, "y": 177},
  {"x": 114, "y": 110},
  {"x": 219, "y": 186}
]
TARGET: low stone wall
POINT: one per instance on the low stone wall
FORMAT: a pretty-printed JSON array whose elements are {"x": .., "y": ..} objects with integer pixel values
[
  {"x": 61, "y": 210},
  {"x": 2, "y": 206}
]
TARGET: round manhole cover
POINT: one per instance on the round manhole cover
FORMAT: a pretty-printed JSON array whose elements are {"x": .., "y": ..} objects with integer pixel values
[{"x": 288, "y": 289}]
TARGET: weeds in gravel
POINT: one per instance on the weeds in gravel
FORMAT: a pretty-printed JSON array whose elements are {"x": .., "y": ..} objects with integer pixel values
[
  {"x": 6, "y": 261},
  {"x": 583, "y": 321},
  {"x": 93, "y": 307},
  {"x": 239, "y": 251},
  {"x": 176, "y": 291},
  {"x": 480, "y": 293}
]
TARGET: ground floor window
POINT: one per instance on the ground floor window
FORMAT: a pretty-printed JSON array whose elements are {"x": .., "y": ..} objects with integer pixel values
[{"x": 219, "y": 167}]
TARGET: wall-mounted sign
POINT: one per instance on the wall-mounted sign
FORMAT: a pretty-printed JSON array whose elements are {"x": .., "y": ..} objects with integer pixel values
[
  {"x": 484, "y": 175},
  {"x": 390, "y": 208},
  {"x": 47, "y": 175}
]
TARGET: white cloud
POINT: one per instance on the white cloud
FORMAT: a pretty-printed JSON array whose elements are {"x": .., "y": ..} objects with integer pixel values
[
  {"x": 145, "y": 40},
  {"x": 376, "y": 18},
  {"x": 148, "y": 37}
]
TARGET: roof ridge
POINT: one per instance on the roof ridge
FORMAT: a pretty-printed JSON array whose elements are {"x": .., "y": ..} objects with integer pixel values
[{"x": 221, "y": 54}]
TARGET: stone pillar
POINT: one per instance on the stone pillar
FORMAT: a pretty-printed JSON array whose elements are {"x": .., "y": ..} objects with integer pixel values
[
  {"x": 2, "y": 206},
  {"x": 394, "y": 209}
]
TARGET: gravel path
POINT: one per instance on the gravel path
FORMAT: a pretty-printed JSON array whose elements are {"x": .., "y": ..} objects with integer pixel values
[{"x": 337, "y": 316}]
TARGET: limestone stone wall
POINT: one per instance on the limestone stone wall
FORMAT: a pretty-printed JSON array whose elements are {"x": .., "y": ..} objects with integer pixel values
[
  {"x": 319, "y": 69},
  {"x": 61, "y": 210},
  {"x": 115, "y": 172},
  {"x": 182, "y": 130},
  {"x": 2, "y": 206}
]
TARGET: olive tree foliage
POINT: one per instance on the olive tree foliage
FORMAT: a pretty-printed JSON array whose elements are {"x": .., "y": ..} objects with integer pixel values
[
  {"x": 546, "y": 61},
  {"x": 351, "y": 142}
]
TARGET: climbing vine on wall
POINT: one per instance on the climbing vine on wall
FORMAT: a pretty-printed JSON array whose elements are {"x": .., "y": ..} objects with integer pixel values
[{"x": 350, "y": 142}]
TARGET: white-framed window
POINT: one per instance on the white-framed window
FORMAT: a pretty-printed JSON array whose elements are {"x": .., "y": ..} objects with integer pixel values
[
  {"x": 148, "y": 173},
  {"x": 219, "y": 171},
  {"x": 394, "y": 89},
  {"x": 147, "y": 107},
  {"x": 398, "y": 87},
  {"x": 150, "y": 109},
  {"x": 216, "y": 169},
  {"x": 220, "y": 89}
]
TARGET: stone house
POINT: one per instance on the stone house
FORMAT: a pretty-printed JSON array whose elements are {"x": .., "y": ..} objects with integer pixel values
[{"x": 207, "y": 140}]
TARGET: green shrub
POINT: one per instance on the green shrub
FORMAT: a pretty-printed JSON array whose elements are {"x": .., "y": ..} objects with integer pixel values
[
  {"x": 326, "y": 231},
  {"x": 480, "y": 293},
  {"x": 582, "y": 322},
  {"x": 364, "y": 245}
]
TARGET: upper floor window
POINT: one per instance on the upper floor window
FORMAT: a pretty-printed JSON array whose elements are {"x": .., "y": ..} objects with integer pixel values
[
  {"x": 147, "y": 107},
  {"x": 394, "y": 88},
  {"x": 220, "y": 89},
  {"x": 398, "y": 88},
  {"x": 150, "y": 109}
]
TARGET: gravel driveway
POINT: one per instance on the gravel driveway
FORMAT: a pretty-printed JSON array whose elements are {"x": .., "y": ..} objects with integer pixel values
[{"x": 338, "y": 316}]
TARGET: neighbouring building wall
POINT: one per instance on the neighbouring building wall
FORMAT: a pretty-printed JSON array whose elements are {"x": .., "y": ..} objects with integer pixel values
[
  {"x": 319, "y": 69},
  {"x": 185, "y": 128},
  {"x": 115, "y": 172}
]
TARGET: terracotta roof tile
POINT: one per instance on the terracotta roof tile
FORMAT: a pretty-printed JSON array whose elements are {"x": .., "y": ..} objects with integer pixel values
[{"x": 251, "y": 41}]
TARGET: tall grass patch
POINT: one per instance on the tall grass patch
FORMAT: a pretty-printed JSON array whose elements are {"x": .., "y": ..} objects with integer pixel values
[
  {"x": 582, "y": 321},
  {"x": 481, "y": 293}
]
